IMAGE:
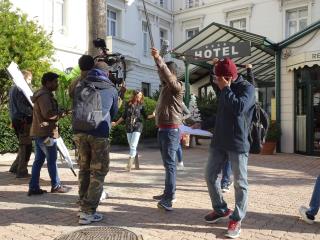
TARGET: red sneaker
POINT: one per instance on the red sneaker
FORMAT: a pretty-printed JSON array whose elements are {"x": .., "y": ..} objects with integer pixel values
[
  {"x": 214, "y": 217},
  {"x": 234, "y": 229}
]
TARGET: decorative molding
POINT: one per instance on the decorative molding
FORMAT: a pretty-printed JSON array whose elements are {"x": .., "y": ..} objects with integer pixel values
[
  {"x": 238, "y": 11},
  {"x": 199, "y": 18},
  {"x": 293, "y": 3}
]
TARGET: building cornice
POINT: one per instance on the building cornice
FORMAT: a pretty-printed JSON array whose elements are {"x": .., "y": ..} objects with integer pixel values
[{"x": 204, "y": 5}]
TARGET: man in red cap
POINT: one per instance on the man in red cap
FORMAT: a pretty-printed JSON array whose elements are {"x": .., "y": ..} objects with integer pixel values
[{"x": 230, "y": 143}]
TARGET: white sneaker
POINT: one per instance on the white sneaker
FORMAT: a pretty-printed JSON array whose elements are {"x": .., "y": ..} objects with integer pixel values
[
  {"x": 86, "y": 219},
  {"x": 303, "y": 214},
  {"x": 104, "y": 195},
  {"x": 180, "y": 166}
]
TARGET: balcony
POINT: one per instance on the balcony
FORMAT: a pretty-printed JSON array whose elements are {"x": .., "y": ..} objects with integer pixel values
[{"x": 125, "y": 47}]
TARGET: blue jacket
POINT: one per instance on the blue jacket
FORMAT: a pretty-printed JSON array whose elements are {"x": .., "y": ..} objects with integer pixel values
[
  {"x": 109, "y": 96},
  {"x": 19, "y": 107},
  {"x": 234, "y": 114}
]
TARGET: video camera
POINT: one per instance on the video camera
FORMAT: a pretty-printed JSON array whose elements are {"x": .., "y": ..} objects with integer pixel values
[{"x": 115, "y": 61}]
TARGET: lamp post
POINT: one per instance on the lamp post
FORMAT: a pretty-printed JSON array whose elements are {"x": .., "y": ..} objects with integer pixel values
[{"x": 187, "y": 84}]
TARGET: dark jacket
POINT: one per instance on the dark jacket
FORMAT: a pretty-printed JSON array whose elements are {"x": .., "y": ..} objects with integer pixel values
[
  {"x": 19, "y": 106},
  {"x": 109, "y": 97},
  {"x": 234, "y": 114},
  {"x": 133, "y": 114},
  {"x": 169, "y": 106},
  {"x": 45, "y": 114}
]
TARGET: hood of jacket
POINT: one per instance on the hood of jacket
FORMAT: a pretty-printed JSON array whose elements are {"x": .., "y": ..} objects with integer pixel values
[
  {"x": 99, "y": 79},
  {"x": 39, "y": 93}
]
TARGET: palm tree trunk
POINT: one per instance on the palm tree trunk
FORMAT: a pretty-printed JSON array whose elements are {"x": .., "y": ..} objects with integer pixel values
[{"x": 97, "y": 18}]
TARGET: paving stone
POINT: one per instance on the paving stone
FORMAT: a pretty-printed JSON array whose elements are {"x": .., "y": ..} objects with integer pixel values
[{"x": 278, "y": 186}]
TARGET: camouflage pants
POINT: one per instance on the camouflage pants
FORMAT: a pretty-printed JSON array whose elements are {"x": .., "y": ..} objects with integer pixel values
[
  {"x": 19, "y": 166},
  {"x": 93, "y": 160}
]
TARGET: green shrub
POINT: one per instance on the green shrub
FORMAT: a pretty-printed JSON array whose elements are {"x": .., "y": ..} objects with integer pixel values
[
  {"x": 8, "y": 140},
  {"x": 65, "y": 131},
  {"x": 118, "y": 135},
  {"x": 274, "y": 132},
  {"x": 207, "y": 106},
  {"x": 23, "y": 41}
]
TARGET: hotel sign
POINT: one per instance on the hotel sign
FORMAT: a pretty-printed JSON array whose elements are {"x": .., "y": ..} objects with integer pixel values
[{"x": 220, "y": 50}]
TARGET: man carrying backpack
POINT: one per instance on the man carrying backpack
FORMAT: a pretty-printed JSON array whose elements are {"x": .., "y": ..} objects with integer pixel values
[
  {"x": 94, "y": 105},
  {"x": 230, "y": 142}
]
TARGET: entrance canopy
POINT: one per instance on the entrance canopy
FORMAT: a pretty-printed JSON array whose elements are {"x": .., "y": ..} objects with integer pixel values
[{"x": 262, "y": 51}]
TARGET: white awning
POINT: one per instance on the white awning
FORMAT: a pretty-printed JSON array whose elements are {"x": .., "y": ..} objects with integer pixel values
[{"x": 308, "y": 59}]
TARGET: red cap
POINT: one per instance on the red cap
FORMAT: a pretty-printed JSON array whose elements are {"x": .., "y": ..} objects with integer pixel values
[{"x": 226, "y": 68}]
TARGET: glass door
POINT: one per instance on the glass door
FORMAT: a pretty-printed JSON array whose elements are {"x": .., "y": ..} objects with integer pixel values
[
  {"x": 301, "y": 119},
  {"x": 316, "y": 119}
]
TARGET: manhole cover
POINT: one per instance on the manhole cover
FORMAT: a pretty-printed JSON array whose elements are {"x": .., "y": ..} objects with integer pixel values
[{"x": 101, "y": 233}]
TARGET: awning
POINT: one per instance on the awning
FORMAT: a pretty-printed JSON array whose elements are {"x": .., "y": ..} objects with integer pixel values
[
  {"x": 262, "y": 50},
  {"x": 304, "y": 59}
]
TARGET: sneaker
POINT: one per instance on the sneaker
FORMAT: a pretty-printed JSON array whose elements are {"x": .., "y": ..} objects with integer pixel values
[
  {"x": 213, "y": 217},
  {"x": 161, "y": 196},
  {"x": 79, "y": 213},
  {"x": 234, "y": 229},
  {"x": 165, "y": 204},
  {"x": 226, "y": 188},
  {"x": 36, "y": 191},
  {"x": 305, "y": 216},
  {"x": 60, "y": 189},
  {"x": 86, "y": 219},
  {"x": 104, "y": 195},
  {"x": 180, "y": 166}
]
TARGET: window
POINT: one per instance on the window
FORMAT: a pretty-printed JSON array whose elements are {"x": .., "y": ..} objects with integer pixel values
[
  {"x": 191, "y": 3},
  {"x": 145, "y": 87},
  {"x": 163, "y": 36},
  {"x": 190, "y": 33},
  {"x": 163, "y": 3},
  {"x": 296, "y": 20},
  {"x": 112, "y": 22},
  {"x": 145, "y": 38},
  {"x": 59, "y": 16},
  {"x": 239, "y": 24}
]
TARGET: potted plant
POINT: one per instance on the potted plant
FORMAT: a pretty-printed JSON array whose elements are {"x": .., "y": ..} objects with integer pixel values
[{"x": 273, "y": 135}]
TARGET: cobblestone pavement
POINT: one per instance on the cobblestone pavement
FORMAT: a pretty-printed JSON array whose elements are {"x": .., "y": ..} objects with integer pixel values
[{"x": 279, "y": 184}]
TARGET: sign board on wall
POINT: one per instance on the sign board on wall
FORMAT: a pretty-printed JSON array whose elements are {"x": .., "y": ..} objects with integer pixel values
[{"x": 220, "y": 50}]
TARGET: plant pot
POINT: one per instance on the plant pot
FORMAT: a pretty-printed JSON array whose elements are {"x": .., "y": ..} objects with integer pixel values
[{"x": 268, "y": 148}]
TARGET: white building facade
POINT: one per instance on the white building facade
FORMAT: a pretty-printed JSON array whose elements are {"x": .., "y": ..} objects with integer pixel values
[
  {"x": 66, "y": 21},
  {"x": 178, "y": 21}
]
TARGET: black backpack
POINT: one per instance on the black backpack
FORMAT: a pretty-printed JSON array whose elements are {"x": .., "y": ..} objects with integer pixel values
[
  {"x": 258, "y": 129},
  {"x": 87, "y": 107}
]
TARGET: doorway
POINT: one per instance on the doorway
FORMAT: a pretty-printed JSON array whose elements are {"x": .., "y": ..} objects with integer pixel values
[{"x": 307, "y": 110}]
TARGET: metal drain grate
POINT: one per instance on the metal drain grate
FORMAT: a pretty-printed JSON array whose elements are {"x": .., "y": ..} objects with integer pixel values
[{"x": 101, "y": 233}]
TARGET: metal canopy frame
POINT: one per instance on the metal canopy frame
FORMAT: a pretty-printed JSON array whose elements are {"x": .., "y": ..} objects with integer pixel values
[{"x": 262, "y": 50}]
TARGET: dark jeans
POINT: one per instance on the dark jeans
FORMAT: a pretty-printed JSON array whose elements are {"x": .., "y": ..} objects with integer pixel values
[
  {"x": 315, "y": 199},
  {"x": 169, "y": 142},
  {"x": 226, "y": 174},
  {"x": 43, "y": 152}
]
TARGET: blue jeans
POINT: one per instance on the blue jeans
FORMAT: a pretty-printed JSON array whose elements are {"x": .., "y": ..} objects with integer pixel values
[
  {"x": 179, "y": 153},
  {"x": 169, "y": 142},
  {"x": 315, "y": 199},
  {"x": 133, "y": 140},
  {"x": 239, "y": 161},
  {"x": 226, "y": 174},
  {"x": 43, "y": 152}
]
